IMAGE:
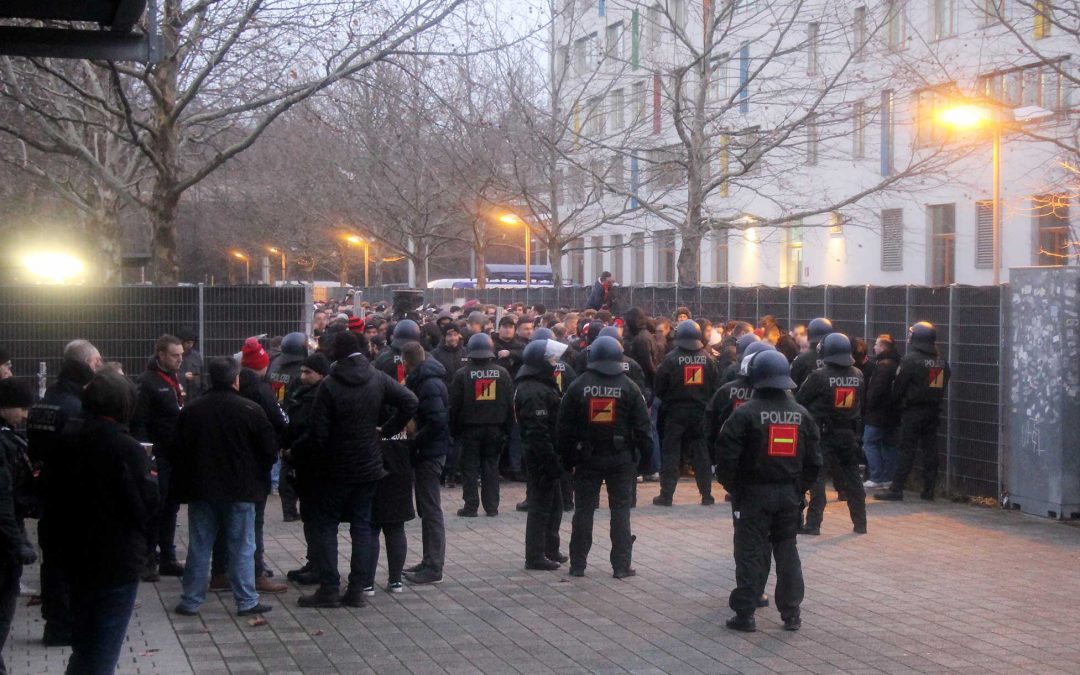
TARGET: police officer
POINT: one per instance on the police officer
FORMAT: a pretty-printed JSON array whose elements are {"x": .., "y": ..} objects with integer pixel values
[
  {"x": 810, "y": 360},
  {"x": 833, "y": 394},
  {"x": 284, "y": 376},
  {"x": 733, "y": 369},
  {"x": 603, "y": 430},
  {"x": 685, "y": 383},
  {"x": 919, "y": 389},
  {"x": 768, "y": 450},
  {"x": 536, "y": 408},
  {"x": 730, "y": 396},
  {"x": 389, "y": 360},
  {"x": 481, "y": 407}
]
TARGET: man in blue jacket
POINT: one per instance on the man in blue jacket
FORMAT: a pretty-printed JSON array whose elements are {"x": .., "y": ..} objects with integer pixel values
[{"x": 424, "y": 378}]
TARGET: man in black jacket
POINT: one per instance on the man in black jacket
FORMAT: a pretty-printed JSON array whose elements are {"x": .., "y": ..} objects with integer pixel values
[
  {"x": 62, "y": 402},
  {"x": 451, "y": 352},
  {"x": 881, "y": 417},
  {"x": 431, "y": 444},
  {"x": 223, "y": 447},
  {"x": 347, "y": 463},
  {"x": 600, "y": 296},
  {"x": 158, "y": 406}
]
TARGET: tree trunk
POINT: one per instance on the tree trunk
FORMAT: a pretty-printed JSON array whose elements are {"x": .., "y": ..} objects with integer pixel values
[
  {"x": 689, "y": 264},
  {"x": 419, "y": 271},
  {"x": 481, "y": 272},
  {"x": 166, "y": 198},
  {"x": 104, "y": 228},
  {"x": 555, "y": 260}
]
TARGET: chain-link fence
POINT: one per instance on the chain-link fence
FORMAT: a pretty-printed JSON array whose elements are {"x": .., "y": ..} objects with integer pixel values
[
  {"x": 969, "y": 321},
  {"x": 123, "y": 322}
]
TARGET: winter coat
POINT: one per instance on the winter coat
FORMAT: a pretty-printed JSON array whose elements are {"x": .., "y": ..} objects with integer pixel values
[
  {"x": 452, "y": 360},
  {"x": 223, "y": 449},
  {"x": 62, "y": 402},
  {"x": 157, "y": 407},
  {"x": 260, "y": 392},
  {"x": 102, "y": 498},
  {"x": 393, "y": 502},
  {"x": 345, "y": 417},
  {"x": 432, "y": 419},
  {"x": 599, "y": 297}
]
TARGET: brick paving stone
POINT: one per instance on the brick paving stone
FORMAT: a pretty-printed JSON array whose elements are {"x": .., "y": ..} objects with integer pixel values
[{"x": 933, "y": 588}]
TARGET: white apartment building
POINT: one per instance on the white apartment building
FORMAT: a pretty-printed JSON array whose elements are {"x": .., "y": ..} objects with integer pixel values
[{"x": 830, "y": 111}]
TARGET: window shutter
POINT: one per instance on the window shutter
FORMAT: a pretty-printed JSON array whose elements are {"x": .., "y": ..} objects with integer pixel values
[
  {"x": 984, "y": 235},
  {"x": 892, "y": 240}
]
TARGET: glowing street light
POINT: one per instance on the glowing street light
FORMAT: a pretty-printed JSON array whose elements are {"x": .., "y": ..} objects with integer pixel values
[
  {"x": 277, "y": 251},
  {"x": 53, "y": 267},
  {"x": 356, "y": 240},
  {"x": 239, "y": 255},
  {"x": 514, "y": 219}
]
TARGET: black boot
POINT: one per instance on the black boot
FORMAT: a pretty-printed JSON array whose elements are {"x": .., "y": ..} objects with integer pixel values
[{"x": 325, "y": 597}]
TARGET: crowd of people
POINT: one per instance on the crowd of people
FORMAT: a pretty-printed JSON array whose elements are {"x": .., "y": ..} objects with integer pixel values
[{"x": 367, "y": 418}]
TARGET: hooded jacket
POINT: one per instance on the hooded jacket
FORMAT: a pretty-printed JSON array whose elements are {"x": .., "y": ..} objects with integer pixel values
[
  {"x": 451, "y": 359},
  {"x": 432, "y": 438},
  {"x": 881, "y": 410},
  {"x": 344, "y": 421},
  {"x": 62, "y": 402},
  {"x": 158, "y": 405}
]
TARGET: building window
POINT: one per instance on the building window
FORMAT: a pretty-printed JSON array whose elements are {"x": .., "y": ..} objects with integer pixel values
[
  {"x": 615, "y": 174},
  {"x": 791, "y": 265},
  {"x": 719, "y": 84},
  {"x": 677, "y": 10},
  {"x": 1054, "y": 229},
  {"x": 813, "y": 31},
  {"x": 944, "y": 19},
  {"x": 614, "y": 44},
  {"x": 656, "y": 28},
  {"x": 617, "y": 257},
  {"x": 744, "y": 79},
  {"x": 637, "y": 258},
  {"x": 581, "y": 56},
  {"x": 892, "y": 240},
  {"x": 635, "y": 181},
  {"x": 984, "y": 234},
  {"x": 888, "y": 133},
  {"x": 577, "y": 185},
  {"x": 928, "y": 129},
  {"x": 858, "y": 30},
  {"x": 836, "y": 224},
  {"x": 617, "y": 109},
  {"x": 1044, "y": 18},
  {"x": 667, "y": 168},
  {"x": 562, "y": 59},
  {"x": 577, "y": 261},
  {"x": 558, "y": 187},
  {"x": 858, "y": 130},
  {"x": 594, "y": 125},
  {"x": 813, "y": 134},
  {"x": 896, "y": 24},
  {"x": 748, "y": 150},
  {"x": 597, "y": 256},
  {"x": 665, "y": 257},
  {"x": 657, "y": 97},
  {"x": 993, "y": 11},
  {"x": 942, "y": 223},
  {"x": 720, "y": 256},
  {"x": 1037, "y": 84}
]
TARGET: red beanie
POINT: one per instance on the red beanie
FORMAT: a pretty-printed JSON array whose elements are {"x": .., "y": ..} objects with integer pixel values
[
  {"x": 356, "y": 325},
  {"x": 253, "y": 356}
]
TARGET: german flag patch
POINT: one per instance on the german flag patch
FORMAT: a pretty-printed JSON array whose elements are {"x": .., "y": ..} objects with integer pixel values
[
  {"x": 485, "y": 390},
  {"x": 694, "y": 375},
  {"x": 937, "y": 378},
  {"x": 601, "y": 411},
  {"x": 783, "y": 440},
  {"x": 845, "y": 398}
]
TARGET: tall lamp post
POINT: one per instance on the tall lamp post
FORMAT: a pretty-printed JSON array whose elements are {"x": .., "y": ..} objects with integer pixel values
[
  {"x": 277, "y": 251},
  {"x": 355, "y": 240},
  {"x": 514, "y": 219},
  {"x": 975, "y": 115},
  {"x": 239, "y": 255}
]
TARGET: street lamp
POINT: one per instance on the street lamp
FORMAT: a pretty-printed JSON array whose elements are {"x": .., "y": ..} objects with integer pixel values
[
  {"x": 355, "y": 240},
  {"x": 969, "y": 116},
  {"x": 278, "y": 251},
  {"x": 514, "y": 219},
  {"x": 247, "y": 265}
]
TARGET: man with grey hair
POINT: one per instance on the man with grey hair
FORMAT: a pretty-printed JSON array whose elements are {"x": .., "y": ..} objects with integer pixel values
[
  {"x": 83, "y": 350},
  {"x": 48, "y": 417}
]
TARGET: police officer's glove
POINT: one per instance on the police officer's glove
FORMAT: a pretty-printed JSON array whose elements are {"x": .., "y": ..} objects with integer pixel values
[{"x": 27, "y": 554}]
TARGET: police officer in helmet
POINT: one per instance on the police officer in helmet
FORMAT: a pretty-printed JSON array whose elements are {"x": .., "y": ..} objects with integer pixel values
[
  {"x": 685, "y": 383},
  {"x": 833, "y": 394},
  {"x": 768, "y": 450},
  {"x": 603, "y": 430},
  {"x": 810, "y": 360},
  {"x": 481, "y": 402},
  {"x": 536, "y": 408},
  {"x": 919, "y": 389}
]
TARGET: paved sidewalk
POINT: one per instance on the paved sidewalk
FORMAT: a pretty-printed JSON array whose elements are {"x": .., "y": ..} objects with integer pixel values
[{"x": 933, "y": 588}]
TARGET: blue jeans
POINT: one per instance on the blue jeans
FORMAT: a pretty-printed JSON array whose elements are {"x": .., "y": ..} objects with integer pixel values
[
  {"x": 98, "y": 625},
  {"x": 881, "y": 446},
  {"x": 654, "y": 434},
  {"x": 237, "y": 519}
]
